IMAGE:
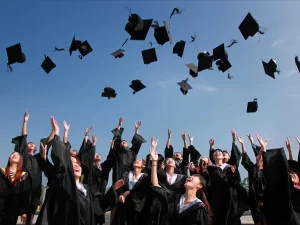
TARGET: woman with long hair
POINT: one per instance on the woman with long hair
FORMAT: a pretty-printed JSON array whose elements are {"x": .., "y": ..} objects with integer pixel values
[{"x": 12, "y": 194}]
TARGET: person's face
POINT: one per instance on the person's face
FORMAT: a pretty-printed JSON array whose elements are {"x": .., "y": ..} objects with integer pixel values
[
  {"x": 204, "y": 162},
  {"x": 162, "y": 165},
  {"x": 73, "y": 153},
  {"x": 97, "y": 157},
  {"x": 170, "y": 163},
  {"x": 138, "y": 163},
  {"x": 177, "y": 156},
  {"x": 14, "y": 158},
  {"x": 193, "y": 182},
  {"x": 124, "y": 144},
  {"x": 226, "y": 156},
  {"x": 218, "y": 155},
  {"x": 76, "y": 167},
  {"x": 31, "y": 147},
  {"x": 295, "y": 178}
]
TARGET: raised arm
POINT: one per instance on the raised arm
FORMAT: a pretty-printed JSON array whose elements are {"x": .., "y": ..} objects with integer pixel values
[
  {"x": 194, "y": 154},
  {"x": 289, "y": 148},
  {"x": 24, "y": 127},
  {"x": 298, "y": 140},
  {"x": 211, "y": 149},
  {"x": 255, "y": 147},
  {"x": 169, "y": 151},
  {"x": 246, "y": 161},
  {"x": 117, "y": 132},
  {"x": 236, "y": 155},
  {"x": 154, "y": 158},
  {"x": 137, "y": 139},
  {"x": 66, "y": 127},
  {"x": 21, "y": 141}
]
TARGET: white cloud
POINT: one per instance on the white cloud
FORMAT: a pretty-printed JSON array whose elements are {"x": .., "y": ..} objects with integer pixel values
[
  {"x": 205, "y": 88},
  {"x": 166, "y": 84},
  {"x": 290, "y": 72},
  {"x": 278, "y": 42}
]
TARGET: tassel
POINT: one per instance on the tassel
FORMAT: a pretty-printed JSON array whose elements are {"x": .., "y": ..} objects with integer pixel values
[
  {"x": 80, "y": 57},
  {"x": 278, "y": 71},
  {"x": 155, "y": 24},
  {"x": 129, "y": 10},
  {"x": 124, "y": 42},
  {"x": 232, "y": 42},
  {"x": 59, "y": 49},
  {"x": 9, "y": 68},
  {"x": 176, "y": 11}
]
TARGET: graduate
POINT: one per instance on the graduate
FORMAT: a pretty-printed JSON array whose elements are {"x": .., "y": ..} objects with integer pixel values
[
  {"x": 70, "y": 202},
  {"x": 187, "y": 209},
  {"x": 32, "y": 167},
  {"x": 95, "y": 173},
  {"x": 13, "y": 196}
]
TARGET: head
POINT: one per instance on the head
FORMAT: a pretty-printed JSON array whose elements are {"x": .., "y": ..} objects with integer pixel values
[
  {"x": 74, "y": 153},
  {"x": 177, "y": 156},
  {"x": 139, "y": 163},
  {"x": 295, "y": 177},
  {"x": 203, "y": 163},
  {"x": 226, "y": 156},
  {"x": 15, "y": 158},
  {"x": 170, "y": 163},
  {"x": 124, "y": 144},
  {"x": 218, "y": 154},
  {"x": 162, "y": 165},
  {"x": 194, "y": 182},
  {"x": 97, "y": 157},
  {"x": 31, "y": 148},
  {"x": 76, "y": 167}
]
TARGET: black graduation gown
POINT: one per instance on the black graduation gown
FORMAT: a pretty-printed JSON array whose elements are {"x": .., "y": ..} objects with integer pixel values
[
  {"x": 13, "y": 199},
  {"x": 32, "y": 167},
  {"x": 96, "y": 178},
  {"x": 256, "y": 188},
  {"x": 124, "y": 158},
  {"x": 278, "y": 203},
  {"x": 65, "y": 204},
  {"x": 131, "y": 211},
  {"x": 194, "y": 215},
  {"x": 220, "y": 197}
]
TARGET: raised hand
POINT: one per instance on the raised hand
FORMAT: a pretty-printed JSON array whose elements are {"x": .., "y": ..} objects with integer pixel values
[
  {"x": 137, "y": 125},
  {"x": 169, "y": 133},
  {"x": 26, "y": 116},
  {"x": 54, "y": 125},
  {"x": 88, "y": 130},
  {"x": 154, "y": 143},
  {"x": 66, "y": 126},
  {"x": 120, "y": 121},
  {"x": 233, "y": 133},
  {"x": 211, "y": 142},
  {"x": 298, "y": 140},
  {"x": 288, "y": 144},
  {"x": 261, "y": 142},
  {"x": 241, "y": 140},
  {"x": 94, "y": 139},
  {"x": 250, "y": 138},
  {"x": 183, "y": 135},
  {"x": 44, "y": 151},
  {"x": 153, "y": 153},
  {"x": 191, "y": 139},
  {"x": 118, "y": 184}
]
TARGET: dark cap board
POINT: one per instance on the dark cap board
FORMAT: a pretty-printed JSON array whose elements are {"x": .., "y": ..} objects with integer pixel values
[
  {"x": 109, "y": 93},
  {"x": 162, "y": 34},
  {"x": 184, "y": 86},
  {"x": 220, "y": 52},
  {"x": 205, "y": 61},
  {"x": 223, "y": 65},
  {"x": 193, "y": 69},
  {"x": 252, "y": 106},
  {"x": 15, "y": 54},
  {"x": 249, "y": 27},
  {"x": 74, "y": 45},
  {"x": 84, "y": 48},
  {"x": 179, "y": 48},
  {"x": 270, "y": 68},
  {"x": 48, "y": 65},
  {"x": 137, "y": 86},
  {"x": 149, "y": 56},
  {"x": 297, "y": 63},
  {"x": 118, "y": 54},
  {"x": 138, "y": 28}
]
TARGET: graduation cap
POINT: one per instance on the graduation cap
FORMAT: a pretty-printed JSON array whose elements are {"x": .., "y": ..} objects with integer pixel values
[
  {"x": 137, "y": 28},
  {"x": 205, "y": 61},
  {"x": 220, "y": 53},
  {"x": 252, "y": 106},
  {"x": 118, "y": 54},
  {"x": 297, "y": 63},
  {"x": 109, "y": 93},
  {"x": 84, "y": 48},
  {"x": 74, "y": 45},
  {"x": 184, "y": 86},
  {"x": 48, "y": 65},
  {"x": 223, "y": 65},
  {"x": 294, "y": 166},
  {"x": 15, "y": 55},
  {"x": 137, "y": 86},
  {"x": 179, "y": 48},
  {"x": 271, "y": 68},
  {"x": 193, "y": 69},
  {"x": 249, "y": 27},
  {"x": 162, "y": 34},
  {"x": 149, "y": 56}
]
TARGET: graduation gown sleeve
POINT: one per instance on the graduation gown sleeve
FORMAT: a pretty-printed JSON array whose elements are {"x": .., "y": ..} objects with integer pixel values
[
  {"x": 247, "y": 163},
  {"x": 235, "y": 156},
  {"x": 169, "y": 152}
]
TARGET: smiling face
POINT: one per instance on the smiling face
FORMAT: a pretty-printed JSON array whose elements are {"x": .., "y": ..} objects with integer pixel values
[
  {"x": 177, "y": 156},
  {"x": 203, "y": 162},
  {"x": 73, "y": 153},
  {"x": 193, "y": 183},
  {"x": 14, "y": 158},
  {"x": 170, "y": 163},
  {"x": 76, "y": 167},
  {"x": 124, "y": 144},
  {"x": 226, "y": 157},
  {"x": 31, "y": 147}
]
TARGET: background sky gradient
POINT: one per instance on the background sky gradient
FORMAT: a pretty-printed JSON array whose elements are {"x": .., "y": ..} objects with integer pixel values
[{"x": 215, "y": 105}]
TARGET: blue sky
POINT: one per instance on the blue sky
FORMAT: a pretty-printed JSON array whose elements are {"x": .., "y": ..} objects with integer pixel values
[{"x": 215, "y": 105}]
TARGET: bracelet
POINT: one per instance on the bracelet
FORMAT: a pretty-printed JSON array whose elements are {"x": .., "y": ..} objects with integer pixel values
[{"x": 154, "y": 164}]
